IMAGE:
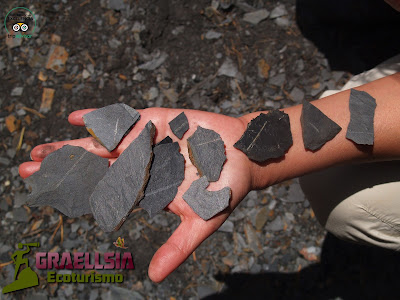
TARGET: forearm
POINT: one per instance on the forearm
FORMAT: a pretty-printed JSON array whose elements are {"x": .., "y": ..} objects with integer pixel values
[{"x": 299, "y": 161}]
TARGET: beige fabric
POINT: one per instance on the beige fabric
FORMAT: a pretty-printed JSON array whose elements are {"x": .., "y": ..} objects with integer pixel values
[
  {"x": 371, "y": 216},
  {"x": 358, "y": 203},
  {"x": 386, "y": 68}
]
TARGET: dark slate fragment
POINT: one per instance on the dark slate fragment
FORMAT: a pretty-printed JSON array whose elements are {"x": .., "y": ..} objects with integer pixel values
[
  {"x": 317, "y": 127},
  {"x": 179, "y": 125},
  {"x": 362, "y": 111},
  {"x": 166, "y": 140},
  {"x": 204, "y": 203},
  {"x": 66, "y": 179},
  {"x": 267, "y": 136},
  {"x": 207, "y": 152},
  {"x": 123, "y": 185},
  {"x": 166, "y": 175},
  {"x": 111, "y": 123}
]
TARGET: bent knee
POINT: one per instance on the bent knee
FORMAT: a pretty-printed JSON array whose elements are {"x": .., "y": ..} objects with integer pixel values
[{"x": 371, "y": 216}]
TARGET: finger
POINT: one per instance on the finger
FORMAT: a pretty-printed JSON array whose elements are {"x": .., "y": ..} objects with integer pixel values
[
  {"x": 156, "y": 115},
  {"x": 90, "y": 144},
  {"x": 26, "y": 169},
  {"x": 76, "y": 117},
  {"x": 185, "y": 239}
]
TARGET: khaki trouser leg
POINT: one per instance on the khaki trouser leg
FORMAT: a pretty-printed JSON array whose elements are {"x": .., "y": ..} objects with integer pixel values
[{"x": 358, "y": 203}]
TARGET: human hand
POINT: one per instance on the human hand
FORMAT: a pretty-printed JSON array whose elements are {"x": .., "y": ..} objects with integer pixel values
[{"x": 237, "y": 173}]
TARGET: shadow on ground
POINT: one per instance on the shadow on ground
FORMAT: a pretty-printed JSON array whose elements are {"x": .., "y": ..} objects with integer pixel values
[
  {"x": 346, "y": 270},
  {"x": 354, "y": 35}
]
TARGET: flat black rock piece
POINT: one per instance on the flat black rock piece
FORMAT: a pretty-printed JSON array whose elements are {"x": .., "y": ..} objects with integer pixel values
[
  {"x": 179, "y": 125},
  {"x": 111, "y": 123},
  {"x": 166, "y": 140},
  {"x": 207, "y": 152},
  {"x": 267, "y": 136},
  {"x": 204, "y": 203},
  {"x": 123, "y": 185},
  {"x": 317, "y": 127},
  {"x": 362, "y": 111},
  {"x": 166, "y": 175},
  {"x": 66, "y": 179}
]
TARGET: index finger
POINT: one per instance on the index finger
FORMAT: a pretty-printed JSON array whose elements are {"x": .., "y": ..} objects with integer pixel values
[
  {"x": 185, "y": 239},
  {"x": 76, "y": 117}
]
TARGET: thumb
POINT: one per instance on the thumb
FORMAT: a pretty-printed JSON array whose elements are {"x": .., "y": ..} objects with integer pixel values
[{"x": 185, "y": 239}]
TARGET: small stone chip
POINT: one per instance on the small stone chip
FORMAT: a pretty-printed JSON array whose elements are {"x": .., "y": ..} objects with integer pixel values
[
  {"x": 166, "y": 175},
  {"x": 179, "y": 125},
  {"x": 166, "y": 140},
  {"x": 123, "y": 185},
  {"x": 111, "y": 123},
  {"x": 66, "y": 179},
  {"x": 206, "y": 204},
  {"x": 317, "y": 127},
  {"x": 207, "y": 152},
  {"x": 267, "y": 136},
  {"x": 362, "y": 111}
]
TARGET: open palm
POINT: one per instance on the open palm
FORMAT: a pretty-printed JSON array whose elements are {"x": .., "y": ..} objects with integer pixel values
[{"x": 193, "y": 230}]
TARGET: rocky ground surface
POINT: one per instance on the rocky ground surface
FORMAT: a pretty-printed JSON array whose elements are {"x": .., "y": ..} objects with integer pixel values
[{"x": 229, "y": 57}]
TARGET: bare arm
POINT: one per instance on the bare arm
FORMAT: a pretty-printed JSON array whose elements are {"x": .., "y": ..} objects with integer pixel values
[
  {"x": 299, "y": 161},
  {"x": 193, "y": 230}
]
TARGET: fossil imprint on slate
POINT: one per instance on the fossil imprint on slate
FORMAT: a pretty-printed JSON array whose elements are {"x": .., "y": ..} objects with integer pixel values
[
  {"x": 362, "y": 111},
  {"x": 166, "y": 175},
  {"x": 267, "y": 136},
  {"x": 317, "y": 128},
  {"x": 179, "y": 125},
  {"x": 207, "y": 152},
  {"x": 204, "y": 203},
  {"x": 123, "y": 185},
  {"x": 111, "y": 123},
  {"x": 66, "y": 179}
]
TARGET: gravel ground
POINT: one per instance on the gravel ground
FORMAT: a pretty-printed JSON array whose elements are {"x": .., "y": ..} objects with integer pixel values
[{"x": 216, "y": 56}]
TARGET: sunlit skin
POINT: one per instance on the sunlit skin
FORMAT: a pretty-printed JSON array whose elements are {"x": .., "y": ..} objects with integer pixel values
[
  {"x": 192, "y": 230},
  {"x": 240, "y": 173}
]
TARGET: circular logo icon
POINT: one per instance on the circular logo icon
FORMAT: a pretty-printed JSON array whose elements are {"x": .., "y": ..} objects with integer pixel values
[
  {"x": 20, "y": 19},
  {"x": 16, "y": 27},
  {"x": 20, "y": 26},
  {"x": 24, "y": 27}
]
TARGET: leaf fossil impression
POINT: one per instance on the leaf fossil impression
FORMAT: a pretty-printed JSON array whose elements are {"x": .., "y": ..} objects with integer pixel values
[
  {"x": 111, "y": 123},
  {"x": 166, "y": 175},
  {"x": 66, "y": 179},
  {"x": 179, "y": 125},
  {"x": 267, "y": 136},
  {"x": 123, "y": 185},
  {"x": 317, "y": 128},
  {"x": 207, "y": 152},
  {"x": 206, "y": 204},
  {"x": 362, "y": 112}
]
